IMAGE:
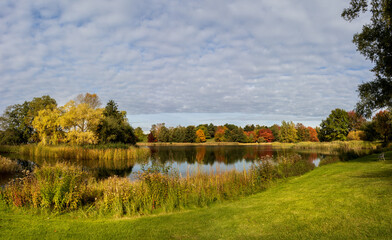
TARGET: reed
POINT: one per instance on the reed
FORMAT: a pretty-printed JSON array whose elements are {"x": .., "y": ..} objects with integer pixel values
[
  {"x": 63, "y": 187},
  {"x": 78, "y": 153},
  {"x": 8, "y": 166}
]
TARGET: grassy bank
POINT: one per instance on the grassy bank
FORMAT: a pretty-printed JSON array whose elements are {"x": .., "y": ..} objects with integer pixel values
[
  {"x": 65, "y": 187},
  {"x": 346, "y": 200}
]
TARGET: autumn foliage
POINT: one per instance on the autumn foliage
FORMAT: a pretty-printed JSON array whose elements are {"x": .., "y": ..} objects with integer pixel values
[
  {"x": 200, "y": 136},
  {"x": 265, "y": 135}
]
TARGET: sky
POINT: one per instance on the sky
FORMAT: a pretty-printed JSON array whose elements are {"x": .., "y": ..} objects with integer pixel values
[{"x": 185, "y": 62}]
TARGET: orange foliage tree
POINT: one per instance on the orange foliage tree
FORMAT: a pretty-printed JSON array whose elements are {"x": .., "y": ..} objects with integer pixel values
[
  {"x": 200, "y": 136},
  {"x": 313, "y": 135},
  {"x": 265, "y": 134},
  {"x": 220, "y": 134}
]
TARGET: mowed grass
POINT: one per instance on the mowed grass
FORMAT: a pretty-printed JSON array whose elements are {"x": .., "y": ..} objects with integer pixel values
[{"x": 346, "y": 200}]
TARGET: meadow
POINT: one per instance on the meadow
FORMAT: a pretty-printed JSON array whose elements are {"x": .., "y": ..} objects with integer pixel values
[{"x": 344, "y": 200}]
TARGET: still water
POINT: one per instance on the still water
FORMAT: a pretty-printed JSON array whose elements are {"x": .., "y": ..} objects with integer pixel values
[{"x": 184, "y": 159}]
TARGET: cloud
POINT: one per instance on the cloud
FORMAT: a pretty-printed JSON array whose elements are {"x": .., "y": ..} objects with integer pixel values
[{"x": 279, "y": 58}]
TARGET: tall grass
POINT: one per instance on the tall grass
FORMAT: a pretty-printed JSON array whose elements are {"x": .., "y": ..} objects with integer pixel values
[
  {"x": 63, "y": 187},
  {"x": 77, "y": 153},
  {"x": 8, "y": 166}
]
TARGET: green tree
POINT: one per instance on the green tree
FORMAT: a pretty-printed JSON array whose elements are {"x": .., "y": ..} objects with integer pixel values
[
  {"x": 114, "y": 126},
  {"x": 288, "y": 133},
  {"x": 383, "y": 124},
  {"x": 275, "y": 131},
  {"x": 375, "y": 43},
  {"x": 335, "y": 127},
  {"x": 18, "y": 119},
  {"x": 190, "y": 134},
  {"x": 164, "y": 134},
  {"x": 302, "y": 133},
  {"x": 140, "y": 136}
]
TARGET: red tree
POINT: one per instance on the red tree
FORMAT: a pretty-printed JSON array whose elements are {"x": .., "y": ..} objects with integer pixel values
[
  {"x": 266, "y": 134},
  {"x": 313, "y": 135}
]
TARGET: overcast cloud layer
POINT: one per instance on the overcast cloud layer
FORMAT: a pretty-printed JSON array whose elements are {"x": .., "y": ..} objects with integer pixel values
[{"x": 239, "y": 58}]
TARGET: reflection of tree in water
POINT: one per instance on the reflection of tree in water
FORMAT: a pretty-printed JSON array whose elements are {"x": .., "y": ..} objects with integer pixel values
[{"x": 208, "y": 155}]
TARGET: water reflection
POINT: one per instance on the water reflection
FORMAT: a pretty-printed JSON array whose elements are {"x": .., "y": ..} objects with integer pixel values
[{"x": 185, "y": 159}]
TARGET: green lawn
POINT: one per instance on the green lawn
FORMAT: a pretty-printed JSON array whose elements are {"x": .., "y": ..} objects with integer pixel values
[{"x": 351, "y": 200}]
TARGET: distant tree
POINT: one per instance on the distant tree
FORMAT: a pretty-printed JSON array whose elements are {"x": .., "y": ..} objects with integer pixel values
[
  {"x": 288, "y": 133},
  {"x": 335, "y": 127},
  {"x": 151, "y": 137},
  {"x": 140, "y": 136},
  {"x": 374, "y": 42},
  {"x": 200, "y": 137},
  {"x": 90, "y": 99},
  {"x": 249, "y": 128},
  {"x": 235, "y": 135},
  {"x": 114, "y": 126},
  {"x": 211, "y": 130},
  {"x": 275, "y": 131},
  {"x": 220, "y": 134},
  {"x": 164, "y": 134},
  {"x": 355, "y": 120},
  {"x": 204, "y": 128},
  {"x": 265, "y": 134},
  {"x": 313, "y": 135},
  {"x": 190, "y": 134},
  {"x": 178, "y": 134},
  {"x": 302, "y": 133},
  {"x": 383, "y": 124}
]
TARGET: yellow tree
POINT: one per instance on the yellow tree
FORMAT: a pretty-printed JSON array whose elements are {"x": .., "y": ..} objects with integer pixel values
[
  {"x": 200, "y": 136},
  {"x": 81, "y": 121},
  {"x": 47, "y": 125}
]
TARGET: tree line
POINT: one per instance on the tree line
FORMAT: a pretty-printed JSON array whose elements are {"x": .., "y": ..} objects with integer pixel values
[
  {"x": 82, "y": 121},
  {"x": 340, "y": 125}
]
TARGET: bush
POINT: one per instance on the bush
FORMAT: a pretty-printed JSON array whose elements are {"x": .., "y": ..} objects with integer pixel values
[{"x": 356, "y": 135}]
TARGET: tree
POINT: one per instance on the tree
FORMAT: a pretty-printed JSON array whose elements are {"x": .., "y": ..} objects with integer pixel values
[
  {"x": 288, "y": 133},
  {"x": 275, "y": 131},
  {"x": 235, "y": 135},
  {"x": 80, "y": 122},
  {"x": 375, "y": 43},
  {"x": 335, "y": 127},
  {"x": 302, "y": 133},
  {"x": 200, "y": 137},
  {"x": 313, "y": 135},
  {"x": 211, "y": 130},
  {"x": 18, "y": 119},
  {"x": 113, "y": 126},
  {"x": 163, "y": 135},
  {"x": 47, "y": 125},
  {"x": 91, "y": 99},
  {"x": 266, "y": 134},
  {"x": 178, "y": 134},
  {"x": 190, "y": 134},
  {"x": 140, "y": 136},
  {"x": 356, "y": 120},
  {"x": 220, "y": 134},
  {"x": 383, "y": 124}
]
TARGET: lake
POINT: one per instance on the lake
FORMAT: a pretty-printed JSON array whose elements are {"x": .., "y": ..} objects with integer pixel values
[{"x": 183, "y": 159}]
